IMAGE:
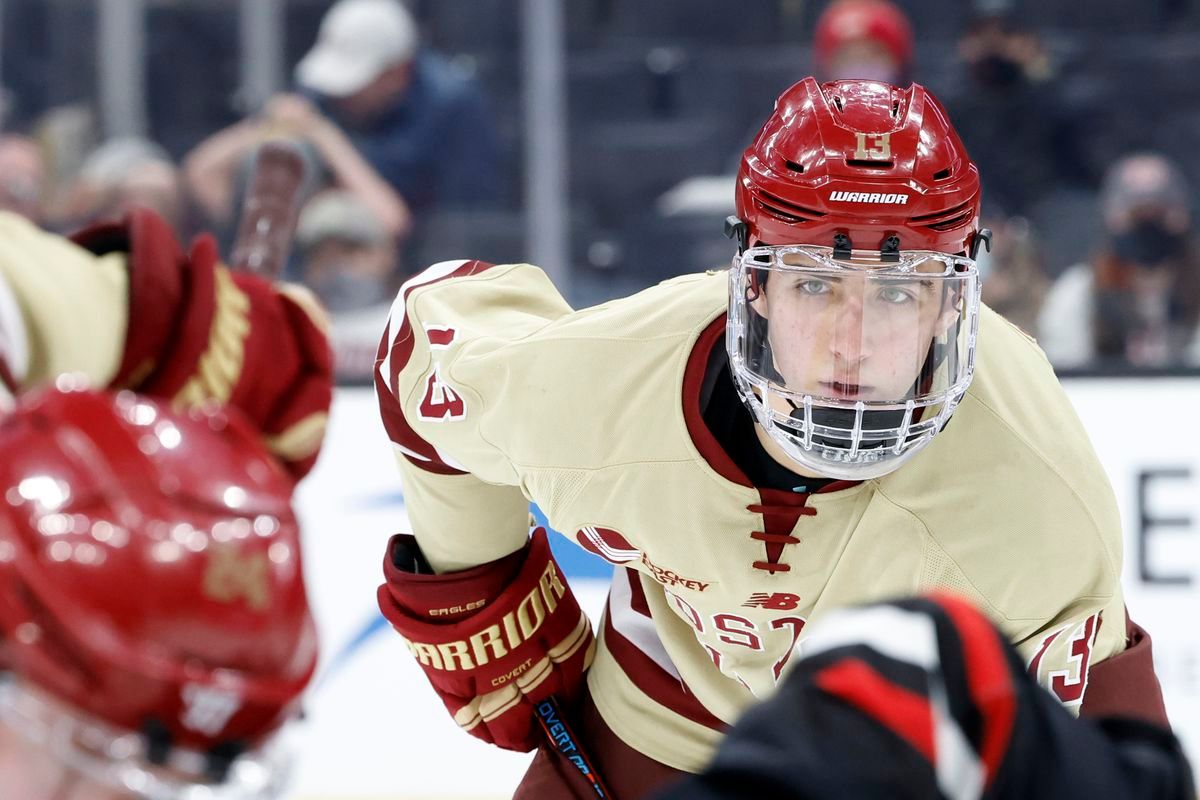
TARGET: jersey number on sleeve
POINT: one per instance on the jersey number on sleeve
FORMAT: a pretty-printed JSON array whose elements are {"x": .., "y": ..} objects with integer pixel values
[
  {"x": 1069, "y": 684},
  {"x": 440, "y": 401}
]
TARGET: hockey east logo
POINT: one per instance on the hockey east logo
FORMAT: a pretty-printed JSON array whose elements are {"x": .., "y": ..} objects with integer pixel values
[
  {"x": 614, "y": 548},
  {"x": 881, "y": 198}
]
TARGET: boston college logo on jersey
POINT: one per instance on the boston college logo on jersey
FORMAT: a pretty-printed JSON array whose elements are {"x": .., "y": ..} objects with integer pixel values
[{"x": 616, "y": 549}]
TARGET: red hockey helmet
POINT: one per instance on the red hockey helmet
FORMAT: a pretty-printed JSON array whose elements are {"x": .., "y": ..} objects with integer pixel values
[
  {"x": 863, "y": 159},
  {"x": 150, "y": 574}
]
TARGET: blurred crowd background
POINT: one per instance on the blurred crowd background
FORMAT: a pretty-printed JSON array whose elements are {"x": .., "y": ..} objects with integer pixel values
[{"x": 603, "y": 135}]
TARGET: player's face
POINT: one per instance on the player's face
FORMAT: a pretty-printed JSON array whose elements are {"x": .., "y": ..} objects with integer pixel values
[{"x": 851, "y": 336}]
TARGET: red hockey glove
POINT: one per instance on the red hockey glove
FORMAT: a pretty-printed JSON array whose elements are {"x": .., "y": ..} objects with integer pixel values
[
  {"x": 197, "y": 332},
  {"x": 494, "y": 640}
]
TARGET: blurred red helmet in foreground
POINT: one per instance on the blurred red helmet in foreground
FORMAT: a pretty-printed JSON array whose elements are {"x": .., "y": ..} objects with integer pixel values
[{"x": 150, "y": 573}]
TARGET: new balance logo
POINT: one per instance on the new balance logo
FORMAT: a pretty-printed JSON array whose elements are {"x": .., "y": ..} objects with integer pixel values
[
  {"x": 773, "y": 601},
  {"x": 869, "y": 197}
]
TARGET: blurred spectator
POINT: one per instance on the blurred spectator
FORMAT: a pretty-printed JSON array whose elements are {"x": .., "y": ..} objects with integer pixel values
[
  {"x": 1012, "y": 274},
  {"x": 67, "y": 136},
  {"x": 1012, "y": 115},
  {"x": 417, "y": 119},
  {"x": 350, "y": 260},
  {"x": 1138, "y": 300},
  {"x": 22, "y": 177},
  {"x": 217, "y": 170},
  {"x": 869, "y": 39},
  {"x": 127, "y": 172}
]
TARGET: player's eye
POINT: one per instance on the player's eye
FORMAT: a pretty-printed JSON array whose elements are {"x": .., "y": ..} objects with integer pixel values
[
  {"x": 812, "y": 286},
  {"x": 896, "y": 295}
]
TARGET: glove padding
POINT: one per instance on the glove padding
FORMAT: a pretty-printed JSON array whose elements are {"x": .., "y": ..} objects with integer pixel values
[
  {"x": 494, "y": 640},
  {"x": 197, "y": 333}
]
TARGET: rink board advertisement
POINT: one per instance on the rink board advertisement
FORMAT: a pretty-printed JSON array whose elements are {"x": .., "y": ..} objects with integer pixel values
[{"x": 375, "y": 730}]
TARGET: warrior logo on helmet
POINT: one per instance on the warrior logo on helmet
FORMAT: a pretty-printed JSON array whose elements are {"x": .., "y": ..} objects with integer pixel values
[{"x": 893, "y": 198}]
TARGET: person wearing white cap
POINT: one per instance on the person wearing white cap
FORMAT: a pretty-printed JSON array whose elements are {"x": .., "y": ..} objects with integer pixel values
[
  {"x": 362, "y": 45},
  {"x": 390, "y": 122},
  {"x": 350, "y": 260},
  {"x": 417, "y": 119}
]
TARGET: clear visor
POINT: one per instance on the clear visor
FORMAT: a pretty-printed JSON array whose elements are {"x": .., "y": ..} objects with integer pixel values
[
  {"x": 887, "y": 334},
  {"x": 116, "y": 759}
]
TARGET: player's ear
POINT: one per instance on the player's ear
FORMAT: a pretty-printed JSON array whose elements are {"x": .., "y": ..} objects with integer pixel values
[
  {"x": 950, "y": 314},
  {"x": 756, "y": 293}
]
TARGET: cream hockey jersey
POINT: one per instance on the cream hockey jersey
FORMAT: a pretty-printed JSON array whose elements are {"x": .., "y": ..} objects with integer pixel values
[
  {"x": 496, "y": 393},
  {"x": 62, "y": 309}
]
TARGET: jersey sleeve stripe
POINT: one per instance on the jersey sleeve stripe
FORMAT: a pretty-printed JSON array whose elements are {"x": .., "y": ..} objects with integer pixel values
[
  {"x": 629, "y": 614},
  {"x": 398, "y": 315},
  {"x": 659, "y": 685},
  {"x": 633, "y": 642},
  {"x": 395, "y": 350},
  {"x": 637, "y": 595}
]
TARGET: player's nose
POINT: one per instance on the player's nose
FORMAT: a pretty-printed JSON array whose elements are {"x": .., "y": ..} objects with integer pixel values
[{"x": 847, "y": 339}]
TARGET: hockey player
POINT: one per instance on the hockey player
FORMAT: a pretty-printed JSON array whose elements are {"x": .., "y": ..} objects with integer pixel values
[
  {"x": 123, "y": 305},
  {"x": 154, "y": 628},
  {"x": 944, "y": 709},
  {"x": 835, "y": 419}
]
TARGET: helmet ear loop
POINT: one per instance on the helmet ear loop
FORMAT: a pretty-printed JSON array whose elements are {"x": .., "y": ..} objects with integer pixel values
[
  {"x": 982, "y": 239},
  {"x": 739, "y": 231}
]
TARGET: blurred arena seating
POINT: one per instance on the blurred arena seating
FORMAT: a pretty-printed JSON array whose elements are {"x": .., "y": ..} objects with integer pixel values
[{"x": 658, "y": 91}]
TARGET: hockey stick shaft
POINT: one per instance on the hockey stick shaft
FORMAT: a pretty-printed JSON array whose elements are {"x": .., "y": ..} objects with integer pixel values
[
  {"x": 561, "y": 737},
  {"x": 269, "y": 211}
]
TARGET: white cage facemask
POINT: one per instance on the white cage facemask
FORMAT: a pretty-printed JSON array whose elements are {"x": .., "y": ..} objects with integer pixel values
[
  {"x": 117, "y": 759},
  {"x": 851, "y": 362}
]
